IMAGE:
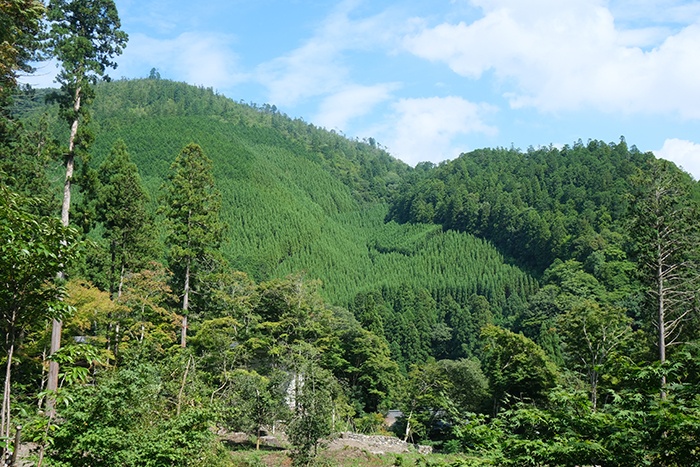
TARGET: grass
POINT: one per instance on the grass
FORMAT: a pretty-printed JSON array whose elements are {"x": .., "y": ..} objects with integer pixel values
[{"x": 351, "y": 457}]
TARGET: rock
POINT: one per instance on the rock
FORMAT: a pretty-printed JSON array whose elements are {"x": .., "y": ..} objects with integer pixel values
[{"x": 375, "y": 444}]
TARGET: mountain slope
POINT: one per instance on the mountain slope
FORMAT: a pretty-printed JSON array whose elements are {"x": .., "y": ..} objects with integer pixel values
[{"x": 298, "y": 199}]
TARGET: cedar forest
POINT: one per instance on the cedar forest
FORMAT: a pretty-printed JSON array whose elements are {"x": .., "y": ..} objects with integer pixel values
[{"x": 175, "y": 265}]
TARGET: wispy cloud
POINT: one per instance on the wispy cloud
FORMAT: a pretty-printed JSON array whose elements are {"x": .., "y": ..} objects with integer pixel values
[
  {"x": 555, "y": 56},
  {"x": 353, "y": 101},
  {"x": 201, "y": 59},
  {"x": 319, "y": 67},
  {"x": 685, "y": 154},
  {"x": 425, "y": 129}
]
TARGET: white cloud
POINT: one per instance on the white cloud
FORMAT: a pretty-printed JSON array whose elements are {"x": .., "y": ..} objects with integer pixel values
[
  {"x": 554, "y": 56},
  {"x": 350, "y": 102},
  {"x": 308, "y": 71},
  {"x": 685, "y": 154},
  {"x": 426, "y": 129},
  {"x": 197, "y": 58},
  {"x": 318, "y": 67}
]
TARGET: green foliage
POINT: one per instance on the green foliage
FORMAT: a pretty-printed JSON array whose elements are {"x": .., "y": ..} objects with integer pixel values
[
  {"x": 84, "y": 37},
  {"x": 34, "y": 249},
  {"x": 592, "y": 335},
  {"x": 313, "y": 406},
  {"x": 535, "y": 205},
  {"x": 20, "y": 27},
  {"x": 32, "y": 252},
  {"x": 191, "y": 208},
  {"x": 125, "y": 420},
  {"x": 121, "y": 208},
  {"x": 515, "y": 366}
]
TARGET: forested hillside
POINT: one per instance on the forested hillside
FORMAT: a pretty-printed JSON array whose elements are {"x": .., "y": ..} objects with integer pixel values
[
  {"x": 298, "y": 199},
  {"x": 176, "y": 266}
]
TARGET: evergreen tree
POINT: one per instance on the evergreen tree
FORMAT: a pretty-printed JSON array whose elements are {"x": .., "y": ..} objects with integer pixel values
[
  {"x": 191, "y": 208},
  {"x": 121, "y": 207},
  {"x": 20, "y": 25},
  {"x": 84, "y": 38}
]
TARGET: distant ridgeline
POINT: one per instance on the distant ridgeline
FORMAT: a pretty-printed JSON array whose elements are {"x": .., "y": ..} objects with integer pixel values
[{"x": 425, "y": 256}]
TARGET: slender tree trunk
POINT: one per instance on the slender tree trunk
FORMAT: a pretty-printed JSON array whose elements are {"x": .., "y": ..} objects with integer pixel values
[
  {"x": 662, "y": 321},
  {"x": 594, "y": 390},
  {"x": 182, "y": 386},
  {"x": 185, "y": 306},
  {"x": 5, "y": 430},
  {"x": 121, "y": 284},
  {"x": 52, "y": 383},
  {"x": 116, "y": 342},
  {"x": 52, "y": 379},
  {"x": 408, "y": 426}
]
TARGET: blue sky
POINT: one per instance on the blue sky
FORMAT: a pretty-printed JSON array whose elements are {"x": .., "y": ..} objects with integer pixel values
[{"x": 432, "y": 79}]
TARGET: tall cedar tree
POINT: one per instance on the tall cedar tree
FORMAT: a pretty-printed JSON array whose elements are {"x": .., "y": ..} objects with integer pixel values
[
  {"x": 84, "y": 37},
  {"x": 121, "y": 207},
  {"x": 666, "y": 231},
  {"x": 192, "y": 205}
]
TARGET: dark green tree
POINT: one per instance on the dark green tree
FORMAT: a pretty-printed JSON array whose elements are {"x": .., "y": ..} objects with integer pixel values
[
  {"x": 515, "y": 366},
  {"x": 191, "y": 208},
  {"x": 122, "y": 209},
  {"x": 20, "y": 27},
  {"x": 84, "y": 37}
]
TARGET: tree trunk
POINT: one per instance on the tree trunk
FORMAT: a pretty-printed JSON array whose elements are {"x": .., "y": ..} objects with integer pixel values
[
  {"x": 182, "y": 386},
  {"x": 185, "y": 306},
  {"x": 121, "y": 284},
  {"x": 5, "y": 429},
  {"x": 52, "y": 383},
  {"x": 662, "y": 322}
]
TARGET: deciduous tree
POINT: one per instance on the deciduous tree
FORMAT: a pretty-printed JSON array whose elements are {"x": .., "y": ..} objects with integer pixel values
[
  {"x": 33, "y": 250},
  {"x": 591, "y": 334}
]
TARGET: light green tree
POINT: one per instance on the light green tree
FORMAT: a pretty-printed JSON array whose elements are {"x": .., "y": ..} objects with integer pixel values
[
  {"x": 33, "y": 250},
  {"x": 592, "y": 333}
]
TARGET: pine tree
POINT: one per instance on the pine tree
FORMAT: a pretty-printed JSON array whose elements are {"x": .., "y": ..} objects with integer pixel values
[{"x": 191, "y": 207}]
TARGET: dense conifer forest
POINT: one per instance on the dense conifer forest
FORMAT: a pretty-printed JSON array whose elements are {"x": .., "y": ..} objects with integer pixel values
[{"x": 221, "y": 267}]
